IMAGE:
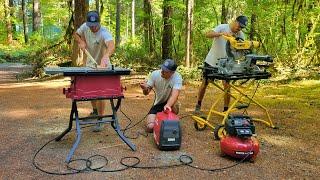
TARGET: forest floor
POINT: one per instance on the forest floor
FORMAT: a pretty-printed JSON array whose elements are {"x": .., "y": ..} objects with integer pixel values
[{"x": 35, "y": 112}]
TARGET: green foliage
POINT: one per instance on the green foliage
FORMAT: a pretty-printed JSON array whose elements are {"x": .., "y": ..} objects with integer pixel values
[
  {"x": 134, "y": 56},
  {"x": 189, "y": 73},
  {"x": 289, "y": 31}
]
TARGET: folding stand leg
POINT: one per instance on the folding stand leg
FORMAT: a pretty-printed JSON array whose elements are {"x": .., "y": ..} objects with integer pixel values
[
  {"x": 73, "y": 109},
  {"x": 75, "y": 145},
  {"x": 116, "y": 127}
]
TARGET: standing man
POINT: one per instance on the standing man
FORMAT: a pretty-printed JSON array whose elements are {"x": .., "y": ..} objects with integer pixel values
[
  {"x": 99, "y": 43},
  {"x": 217, "y": 51},
  {"x": 167, "y": 84}
]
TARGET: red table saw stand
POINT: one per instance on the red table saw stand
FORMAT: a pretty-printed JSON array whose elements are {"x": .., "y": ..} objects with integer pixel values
[{"x": 92, "y": 84}]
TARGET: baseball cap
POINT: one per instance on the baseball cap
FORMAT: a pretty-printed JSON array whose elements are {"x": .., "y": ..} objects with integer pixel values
[
  {"x": 242, "y": 20},
  {"x": 93, "y": 18},
  {"x": 169, "y": 65}
]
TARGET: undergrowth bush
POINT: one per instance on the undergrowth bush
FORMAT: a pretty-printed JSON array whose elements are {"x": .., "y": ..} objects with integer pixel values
[{"x": 190, "y": 73}]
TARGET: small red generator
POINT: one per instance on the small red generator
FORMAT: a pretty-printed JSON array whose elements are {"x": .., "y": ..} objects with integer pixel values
[
  {"x": 167, "y": 131},
  {"x": 238, "y": 142}
]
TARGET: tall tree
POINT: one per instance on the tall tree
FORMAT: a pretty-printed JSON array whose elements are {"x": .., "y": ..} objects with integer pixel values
[
  {"x": 12, "y": 10},
  {"x": 36, "y": 15},
  {"x": 81, "y": 7},
  {"x": 118, "y": 13},
  {"x": 25, "y": 20},
  {"x": 98, "y": 6},
  {"x": 253, "y": 19},
  {"x": 8, "y": 21},
  {"x": 167, "y": 35},
  {"x": 133, "y": 30},
  {"x": 148, "y": 26},
  {"x": 224, "y": 12},
  {"x": 189, "y": 22}
]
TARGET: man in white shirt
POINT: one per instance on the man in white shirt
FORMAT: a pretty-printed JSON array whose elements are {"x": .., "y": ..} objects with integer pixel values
[
  {"x": 217, "y": 51},
  {"x": 167, "y": 84},
  {"x": 99, "y": 43}
]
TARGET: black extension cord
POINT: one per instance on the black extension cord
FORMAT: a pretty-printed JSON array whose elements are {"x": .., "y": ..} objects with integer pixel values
[{"x": 184, "y": 160}]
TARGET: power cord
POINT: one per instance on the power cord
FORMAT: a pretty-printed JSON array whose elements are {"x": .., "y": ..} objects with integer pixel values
[
  {"x": 254, "y": 93},
  {"x": 184, "y": 160}
]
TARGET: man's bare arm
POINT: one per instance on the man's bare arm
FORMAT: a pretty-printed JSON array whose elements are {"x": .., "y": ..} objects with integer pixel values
[
  {"x": 110, "y": 50},
  {"x": 173, "y": 98},
  {"x": 213, "y": 34}
]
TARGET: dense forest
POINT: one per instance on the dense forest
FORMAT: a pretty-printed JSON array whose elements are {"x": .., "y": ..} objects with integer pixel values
[{"x": 39, "y": 32}]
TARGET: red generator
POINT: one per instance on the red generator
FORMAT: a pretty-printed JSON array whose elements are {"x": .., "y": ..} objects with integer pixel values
[
  {"x": 167, "y": 131},
  {"x": 238, "y": 142}
]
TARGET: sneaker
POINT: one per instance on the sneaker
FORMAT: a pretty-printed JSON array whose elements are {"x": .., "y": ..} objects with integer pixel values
[
  {"x": 197, "y": 110},
  {"x": 98, "y": 127}
]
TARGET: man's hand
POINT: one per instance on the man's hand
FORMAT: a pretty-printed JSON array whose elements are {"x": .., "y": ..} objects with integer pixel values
[
  {"x": 145, "y": 88},
  {"x": 104, "y": 62},
  {"x": 167, "y": 108}
]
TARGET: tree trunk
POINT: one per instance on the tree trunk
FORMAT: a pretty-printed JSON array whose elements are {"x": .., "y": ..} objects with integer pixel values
[
  {"x": 167, "y": 30},
  {"x": 253, "y": 20},
  {"x": 224, "y": 12},
  {"x": 36, "y": 15},
  {"x": 12, "y": 10},
  {"x": 189, "y": 23},
  {"x": 133, "y": 30},
  {"x": 8, "y": 21},
  {"x": 148, "y": 28},
  {"x": 80, "y": 9},
  {"x": 101, "y": 9},
  {"x": 118, "y": 38},
  {"x": 98, "y": 6},
  {"x": 25, "y": 21}
]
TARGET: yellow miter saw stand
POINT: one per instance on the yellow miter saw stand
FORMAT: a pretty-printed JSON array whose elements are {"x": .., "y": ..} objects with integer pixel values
[{"x": 241, "y": 68}]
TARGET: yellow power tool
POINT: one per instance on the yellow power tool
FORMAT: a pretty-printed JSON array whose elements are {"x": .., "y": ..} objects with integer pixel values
[{"x": 241, "y": 44}]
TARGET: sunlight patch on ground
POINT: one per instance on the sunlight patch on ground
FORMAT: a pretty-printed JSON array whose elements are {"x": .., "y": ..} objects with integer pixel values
[
  {"x": 275, "y": 96},
  {"x": 309, "y": 82},
  {"x": 51, "y": 84},
  {"x": 280, "y": 140},
  {"x": 52, "y": 130},
  {"x": 18, "y": 114}
]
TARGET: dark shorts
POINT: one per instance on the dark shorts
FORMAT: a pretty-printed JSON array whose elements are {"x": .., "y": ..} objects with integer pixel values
[
  {"x": 157, "y": 108},
  {"x": 207, "y": 69}
]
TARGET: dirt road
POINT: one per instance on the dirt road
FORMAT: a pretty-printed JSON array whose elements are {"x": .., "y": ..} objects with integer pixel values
[{"x": 32, "y": 113}]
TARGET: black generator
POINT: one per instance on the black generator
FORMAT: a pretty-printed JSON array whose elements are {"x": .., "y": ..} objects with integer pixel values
[{"x": 240, "y": 126}]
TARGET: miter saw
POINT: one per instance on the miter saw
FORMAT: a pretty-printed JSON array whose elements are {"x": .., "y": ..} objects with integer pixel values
[{"x": 240, "y": 59}]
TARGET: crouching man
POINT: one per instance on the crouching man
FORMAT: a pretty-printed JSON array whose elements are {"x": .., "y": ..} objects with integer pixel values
[{"x": 167, "y": 84}]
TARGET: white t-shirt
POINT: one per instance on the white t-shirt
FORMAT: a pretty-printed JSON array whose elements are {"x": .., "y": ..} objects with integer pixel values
[
  {"x": 96, "y": 42},
  {"x": 218, "y": 48},
  {"x": 163, "y": 87}
]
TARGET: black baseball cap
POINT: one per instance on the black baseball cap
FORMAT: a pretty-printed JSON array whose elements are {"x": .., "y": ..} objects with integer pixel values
[
  {"x": 93, "y": 18},
  {"x": 242, "y": 20},
  {"x": 169, "y": 65}
]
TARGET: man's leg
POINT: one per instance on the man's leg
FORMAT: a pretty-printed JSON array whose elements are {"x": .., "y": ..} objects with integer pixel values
[
  {"x": 152, "y": 116},
  {"x": 202, "y": 91},
  {"x": 150, "y": 122},
  {"x": 94, "y": 108},
  {"x": 227, "y": 96},
  {"x": 100, "y": 104}
]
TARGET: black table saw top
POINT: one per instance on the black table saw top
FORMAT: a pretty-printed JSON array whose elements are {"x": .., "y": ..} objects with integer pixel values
[
  {"x": 256, "y": 75},
  {"x": 86, "y": 71}
]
